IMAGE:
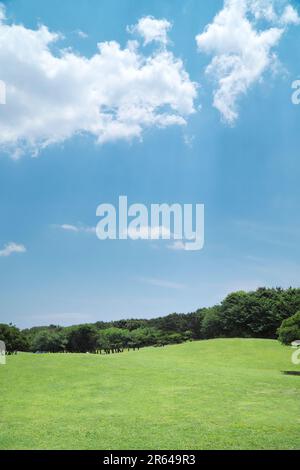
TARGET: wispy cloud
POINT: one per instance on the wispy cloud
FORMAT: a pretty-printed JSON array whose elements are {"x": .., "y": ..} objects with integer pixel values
[
  {"x": 82, "y": 34},
  {"x": 188, "y": 140},
  {"x": 62, "y": 319},
  {"x": 76, "y": 228},
  {"x": 157, "y": 233},
  {"x": 11, "y": 248},
  {"x": 177, "y": 246},
  {"x": 280, "y": 235},
  {"x": 162, "y": 283}
]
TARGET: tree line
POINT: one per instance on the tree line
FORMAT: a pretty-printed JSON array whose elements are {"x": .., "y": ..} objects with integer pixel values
[{"x": 264, "y": 313}]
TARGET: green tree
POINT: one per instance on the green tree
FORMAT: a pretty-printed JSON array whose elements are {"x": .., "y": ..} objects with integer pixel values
[
  {"x": 148, "y": 336},
  {"x": 212, "y": 325},
  {"x": 83, "y": 338},
  {"x": 290, "y": 329},
  {"x": 49, "y": 341},
  {"x": 115, "y": 339},
  {"x": 13, "y": 338}
]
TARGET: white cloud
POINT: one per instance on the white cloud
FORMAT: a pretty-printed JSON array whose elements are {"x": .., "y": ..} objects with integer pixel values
[
  {"x": 157, "y": 233},
  {"x": 69, "y": 228},
  {"x": 178, "y": 246},
  {"x": 188, "y": 140},
  {"x": 115, "y": 94},
  {"x": 77, "y": 228},
  {"x": 262, "y": 9},
  {"x": 242, "y": 51},
  {"x": 11, "y": 248},
  {"x": 290, "y": 16},
  {"x": 146, "y": 232},
  {"x": 152, "y": 29},
  {"x": 82, "y": 34}
]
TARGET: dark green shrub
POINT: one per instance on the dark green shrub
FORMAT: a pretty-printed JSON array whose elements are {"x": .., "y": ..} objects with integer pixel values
[{"x": 290, "y": 329}]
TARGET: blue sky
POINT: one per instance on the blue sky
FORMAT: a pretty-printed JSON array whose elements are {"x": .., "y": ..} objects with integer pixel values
[{"x": 246, "y": 173}]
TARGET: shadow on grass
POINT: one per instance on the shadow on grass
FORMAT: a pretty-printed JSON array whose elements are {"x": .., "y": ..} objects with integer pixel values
[{"x": 291, "y": 372}]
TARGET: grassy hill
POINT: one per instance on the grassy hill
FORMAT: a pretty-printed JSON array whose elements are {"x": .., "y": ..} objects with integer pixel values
[{"x": 217, "y": 394}]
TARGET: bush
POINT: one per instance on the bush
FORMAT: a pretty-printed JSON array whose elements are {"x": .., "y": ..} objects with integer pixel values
[{"x": 290, "y": 329}]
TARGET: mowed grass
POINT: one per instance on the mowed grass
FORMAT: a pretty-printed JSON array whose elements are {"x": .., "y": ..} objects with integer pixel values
[{"x": 218, "y": 394}]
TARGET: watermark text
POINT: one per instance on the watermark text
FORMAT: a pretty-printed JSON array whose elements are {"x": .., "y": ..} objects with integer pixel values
[
  {"x": 2, "y": 353},
  {"x": 182, "y": 223}
]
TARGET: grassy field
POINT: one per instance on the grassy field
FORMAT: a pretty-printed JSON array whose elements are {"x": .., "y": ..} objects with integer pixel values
[{"x": 218, "y": 394}]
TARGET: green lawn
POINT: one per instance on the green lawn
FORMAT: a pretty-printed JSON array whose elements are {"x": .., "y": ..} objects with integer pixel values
[{"x": 218, "y": 394}]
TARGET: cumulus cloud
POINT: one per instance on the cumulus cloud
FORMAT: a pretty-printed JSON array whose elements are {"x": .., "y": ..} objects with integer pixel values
[
  {"x": 115, "y": 94},
  {"x": 152, "y": 29},
  {"x": 242, "y": 38},
  {"x": 11, "y": 248}
]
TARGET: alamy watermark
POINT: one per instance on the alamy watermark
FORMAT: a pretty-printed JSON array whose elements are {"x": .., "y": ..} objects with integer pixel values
[
  {"x": 182, "y": 223},
  {"x": 296, "y": 93},
  {"x": 2, "y": 353},
  {"x": 296, "y": 353}
]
